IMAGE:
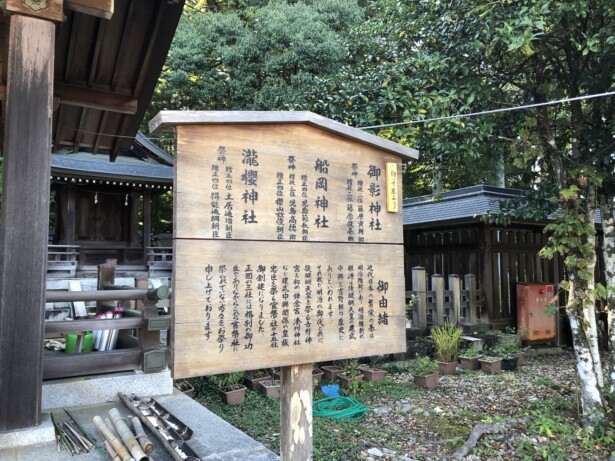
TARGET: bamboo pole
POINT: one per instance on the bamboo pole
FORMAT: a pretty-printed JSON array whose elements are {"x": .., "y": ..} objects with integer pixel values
[
  {"x": 145, "y": 442},
  {"x": 117, "y": 445},
  {"x": 112, "y": 452},
  {"x": 127, "y": 436}
]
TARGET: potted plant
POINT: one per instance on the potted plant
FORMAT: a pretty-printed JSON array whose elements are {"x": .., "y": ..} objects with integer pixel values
[
  {"x": 507, "y": 350},
  {"x": 469, "y": 359},
  {"x": 371, "y": 372},
  {"x": 425, "y": 372},
  {"x": 231, "y": 392},
  {"x": 317, "y": 375},
  {"x": 490, "y": 364},
  {"x": 184, "y": 386},
  {"x": 253, "y": 377},
  {"x": 351, "y": 376},
  {"x": 331, "y": 371},
  {"x": 446, "y": 340},
  {"x": 270, "y": 388}
]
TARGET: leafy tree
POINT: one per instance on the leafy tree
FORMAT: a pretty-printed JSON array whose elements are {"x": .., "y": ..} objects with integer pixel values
[
  {"x": 255, "y": 57},
  {"x": 425, "y": 59}
]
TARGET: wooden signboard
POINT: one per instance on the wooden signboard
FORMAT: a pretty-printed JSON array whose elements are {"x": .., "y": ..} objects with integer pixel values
[{"x": 288, "y": 243}]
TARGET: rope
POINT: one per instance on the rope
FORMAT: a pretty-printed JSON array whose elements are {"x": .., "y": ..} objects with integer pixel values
[{"x": 340, "y": 408}]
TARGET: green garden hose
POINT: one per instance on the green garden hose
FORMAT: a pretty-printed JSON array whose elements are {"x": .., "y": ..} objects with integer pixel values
[{"x": 340, "y": 408}]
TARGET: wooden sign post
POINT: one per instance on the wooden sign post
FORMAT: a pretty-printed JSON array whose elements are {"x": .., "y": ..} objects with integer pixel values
[{"x": 288, "y": 249}]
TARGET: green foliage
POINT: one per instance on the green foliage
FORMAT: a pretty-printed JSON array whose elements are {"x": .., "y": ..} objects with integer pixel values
[
  {"x": 254, "y": 57},
  {"x": 227, "y": 380},
  {"x": 446, "y": 340},
  {"x": 470, "y": 353},
  {"x": 424, "y": 366}
]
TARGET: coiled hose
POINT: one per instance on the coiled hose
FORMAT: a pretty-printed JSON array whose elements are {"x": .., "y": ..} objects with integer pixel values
[{"x": 345, "y": 408}]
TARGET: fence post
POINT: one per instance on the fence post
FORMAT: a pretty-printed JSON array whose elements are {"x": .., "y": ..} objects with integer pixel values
[
  {"x": 437, "y": 286},
  {"x": 419, "y": 284},
  {"x": 470, "y": 280},
  {"x": 454, "y": 284}
]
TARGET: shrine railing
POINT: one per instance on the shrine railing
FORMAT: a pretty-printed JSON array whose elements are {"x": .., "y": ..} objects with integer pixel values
[{"x": 138, "y": 340}]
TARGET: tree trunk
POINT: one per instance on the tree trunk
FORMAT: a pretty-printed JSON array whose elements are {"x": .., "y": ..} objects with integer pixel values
[
  {"x": 591, "y": 400},
  {"x": 589, "y": 305},
  {"x": 608, "y": 251}
]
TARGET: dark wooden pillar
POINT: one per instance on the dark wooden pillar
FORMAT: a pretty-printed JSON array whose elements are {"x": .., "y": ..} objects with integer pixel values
[
  {"x": 134, "y": 219},
  {"x": 147, "y": 223},
  {"x": 68, "y": 217},
  {"x": 487, "y": 275},
  {"x": 24, "y": 219}
]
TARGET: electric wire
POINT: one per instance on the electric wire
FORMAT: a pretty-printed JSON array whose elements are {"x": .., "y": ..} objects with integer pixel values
[
  {"x": 344, "y": 408},
  {"x": 493, "y": 111}
]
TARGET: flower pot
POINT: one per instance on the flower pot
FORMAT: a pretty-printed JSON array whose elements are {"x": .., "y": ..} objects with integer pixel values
[
  {"x": 520, "y": 358},
  {"x": 490, "y": 366},
  {"x": 346, "y": 381},
  {"x": 470, "y": 363},
  {"x": 509, "y": 363},
  {"x": 427, "y": 382},
  {"x": 185, "y": 387},
  {"x": 317, "y": 375},
  {"x": 270, "y": 388},
  {"x": 447, "y": 368},
  {"x": 252, "y": 380},
  {"x": 331, "y": 371},
  {"x": 233, "y": 396},
  {"x": 372, "y": 374}
]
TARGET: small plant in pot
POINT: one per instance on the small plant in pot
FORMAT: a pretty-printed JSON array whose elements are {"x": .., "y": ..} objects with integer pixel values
[
  {"x": 317, "y": 375},
  {"x": 371, "y": 372},
  {"x": 352, "y": 376},
  {"x": 490, "y": 364},
  {"x": 331, "y": 371},
  {"x": 270, "y": 388},
  {"x": 253, "y": 377},
  {"x": 184, "y": 386},
  {"x": 446, "y": 341},
  {"x": 231, "y": 392},
  {"x": 425, "y": 372},
  {"x": 506, "y": 350},
  {"x": 469, "y": 359}
]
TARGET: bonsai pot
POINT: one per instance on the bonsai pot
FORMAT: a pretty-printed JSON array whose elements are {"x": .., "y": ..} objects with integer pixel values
[
  {"x": 447, "y": 368},
  {"x": 270, "y": 388},
  {"x": 520, "y": 358},
  {"x": 470, "y": 363},
  {"x": 509, "y": 363},
  {"x": 251, "y": 380},
  {"x": 331, "y": 371},
  {"x": 427, "y": 382},
  {"x": 346, "y": 381},
  {"x": 234, "y": 396},
  {"x": 491, "y": 366},
  {"x": 317, "y": 374},
  {"x": 185, "y": 387},
  {"x": 372, "y": 374}
]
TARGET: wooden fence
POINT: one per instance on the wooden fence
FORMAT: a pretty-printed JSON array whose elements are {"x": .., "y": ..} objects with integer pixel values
[
  {"x": 462, "y": 302},
  {"x": 499, "y": 257}
]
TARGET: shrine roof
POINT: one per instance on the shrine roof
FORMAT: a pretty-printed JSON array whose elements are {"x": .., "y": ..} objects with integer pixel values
[
  {"x": 167, "y": 119},
  {"x": 468, "y": 204}
]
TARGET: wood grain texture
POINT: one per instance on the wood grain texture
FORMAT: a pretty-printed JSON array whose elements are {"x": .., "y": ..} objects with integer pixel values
[
  {"x": 24, "y": 218},
  {"x": 52, "y": 12},
  {"x": 296, "y": 413},
  {"x": 220, "y": 195},
  {"x": 202, "y": 292},
  {"x": 169, "y": 119},
  {"x": 99, "y": 8}
]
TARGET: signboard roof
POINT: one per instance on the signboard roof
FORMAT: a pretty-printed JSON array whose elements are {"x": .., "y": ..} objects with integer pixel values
[{"x": 167, "y": 119}]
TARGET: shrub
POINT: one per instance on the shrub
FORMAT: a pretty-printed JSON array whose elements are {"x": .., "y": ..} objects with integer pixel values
[{"x": 446, "y": 339}]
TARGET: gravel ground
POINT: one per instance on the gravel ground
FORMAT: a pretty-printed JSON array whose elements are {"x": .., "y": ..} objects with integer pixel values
[{"x": 435, "y": 423}]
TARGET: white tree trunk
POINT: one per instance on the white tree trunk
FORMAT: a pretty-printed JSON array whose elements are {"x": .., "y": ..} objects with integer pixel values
[
  {"x": 608, "y": 251},
  {"x": 591, "y": 400},
  {"x": 589, "y": 305}
]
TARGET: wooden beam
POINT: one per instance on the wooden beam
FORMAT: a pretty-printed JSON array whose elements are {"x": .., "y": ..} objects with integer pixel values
[
  {"x": 99, "y": 8},
  {"x": 50, "y": 10},
  {"x": 67, "y": 365},
  {"x": 24, "y": 219},
  {"x": 128, "y": 21},
  {"x": 101, "y": 129},
  {"x": 79, "y": 133},
  {"x": 100, "y": 33},
  {"x": 92, "y": 99}
]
